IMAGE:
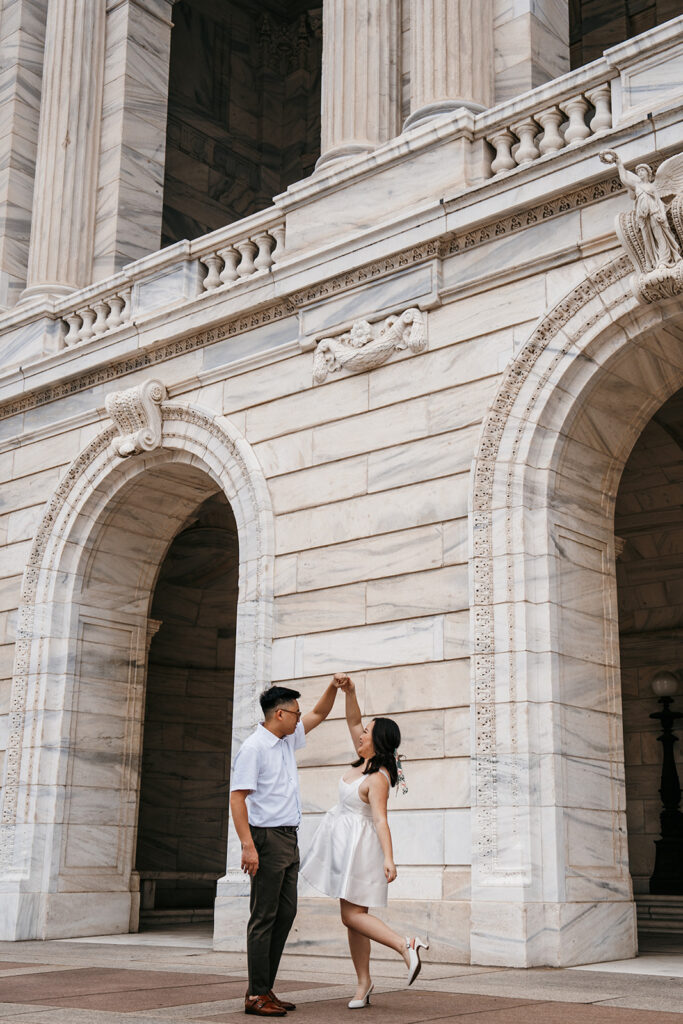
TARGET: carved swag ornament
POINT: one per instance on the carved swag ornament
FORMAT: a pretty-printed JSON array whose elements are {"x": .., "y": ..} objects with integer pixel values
[
  {"x": 367, "y": 345},
  {"x": 652, "y": 232},
  {"x": 136, "y": 413}
]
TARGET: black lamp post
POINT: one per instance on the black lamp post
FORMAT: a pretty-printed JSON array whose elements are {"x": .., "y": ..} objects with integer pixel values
[{"x": 667, "y": 878}]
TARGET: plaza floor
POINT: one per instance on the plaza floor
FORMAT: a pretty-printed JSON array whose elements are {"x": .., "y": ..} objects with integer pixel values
[{"x": 172, "y": 976}]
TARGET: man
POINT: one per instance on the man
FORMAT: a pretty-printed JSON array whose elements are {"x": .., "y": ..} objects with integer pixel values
[{"x": 266, "y": 811}]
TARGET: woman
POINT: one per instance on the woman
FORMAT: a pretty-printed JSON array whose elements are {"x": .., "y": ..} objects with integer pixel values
[{"x": 351, "y": 856}]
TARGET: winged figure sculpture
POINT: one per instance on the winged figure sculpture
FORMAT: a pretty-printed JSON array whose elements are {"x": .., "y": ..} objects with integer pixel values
[{"x": 652, "y": 232}]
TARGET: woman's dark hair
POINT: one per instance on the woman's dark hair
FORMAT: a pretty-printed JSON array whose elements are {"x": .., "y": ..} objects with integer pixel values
[{"x": 386, "y": 739}]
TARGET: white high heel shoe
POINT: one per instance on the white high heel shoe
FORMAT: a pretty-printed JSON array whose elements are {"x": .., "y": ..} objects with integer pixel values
[
  {"x": 414, "y": 967},
  {"x": 358, "y": 1004}
]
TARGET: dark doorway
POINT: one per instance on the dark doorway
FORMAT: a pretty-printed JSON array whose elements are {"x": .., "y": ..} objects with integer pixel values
[
  {"x": 649, "y": 545},
  {"x": 243, "y": 109},
  {"x": 183, "y": 817},
  {"x": 595, "y": 25}
]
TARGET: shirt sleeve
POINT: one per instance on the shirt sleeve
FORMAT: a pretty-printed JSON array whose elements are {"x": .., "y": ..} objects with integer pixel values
[
  {"x": 299, "y": 736},
  {"x": 245, "y": 770}
]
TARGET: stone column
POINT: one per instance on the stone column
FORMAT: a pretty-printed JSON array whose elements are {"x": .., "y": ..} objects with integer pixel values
[
  {"x": 360, "y": 88},
  {"x": 62, "y": 232},
  {"x": 451, "y": 57},
  {"x": 22, "y": 38},
  {"x": 130, "y": 184},
  {"x": 531, "y": 40}
]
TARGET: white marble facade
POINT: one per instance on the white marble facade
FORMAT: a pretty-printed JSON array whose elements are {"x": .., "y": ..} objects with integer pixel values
[{"x": 416, "y": 379}]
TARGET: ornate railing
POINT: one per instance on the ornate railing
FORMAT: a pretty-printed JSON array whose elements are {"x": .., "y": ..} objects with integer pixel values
[{"x": 562, "y": 113}]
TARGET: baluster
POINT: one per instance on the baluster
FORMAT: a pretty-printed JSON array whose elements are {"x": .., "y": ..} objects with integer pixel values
[
  {"x": 502, "y": 142},
  {"x": 550, "y": 121},
  {"x": 264, "y": 242},
  {"x": 127, "y": 295},
  {"x": 278, "y": 233},
  {"x": 526, "y": 131},
  {"x": 101, "y": 312},
  {"x": 74, "y": 322},
  {"x": 231, "y": 258},
  {"x": 247, "y": 251},
  {"x": 87, "y": 315},
  {"x": 601, "y": 98},
  {"x": 577, "y": 129},
  {"x": 116, "y": 304},
  {"x": 214, "y": 264}
]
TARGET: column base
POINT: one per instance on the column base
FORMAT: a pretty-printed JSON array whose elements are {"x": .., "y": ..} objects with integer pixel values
[
  {"x": 552, "y": 934},
  {"x": 342, "y": 153},
  {"x": 63, "y": 915},
  {"x": 432, "y": 110},
  {"x": 45, "y": 291}
]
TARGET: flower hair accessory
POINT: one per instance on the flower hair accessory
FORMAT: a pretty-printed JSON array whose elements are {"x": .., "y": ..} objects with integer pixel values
[{"x": 401, "y": 775}]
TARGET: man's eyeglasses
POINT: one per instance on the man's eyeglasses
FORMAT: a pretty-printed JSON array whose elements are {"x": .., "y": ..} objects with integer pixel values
[{"x": 289, "y": 712}]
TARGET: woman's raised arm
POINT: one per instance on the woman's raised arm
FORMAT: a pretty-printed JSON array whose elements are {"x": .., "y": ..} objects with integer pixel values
[{"x": 353, "y": 716}]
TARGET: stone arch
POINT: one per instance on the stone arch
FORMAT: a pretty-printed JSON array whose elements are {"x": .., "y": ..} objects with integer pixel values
[
  {"x": 89, "y": 513},
  {"x": 550, "y": 880}
]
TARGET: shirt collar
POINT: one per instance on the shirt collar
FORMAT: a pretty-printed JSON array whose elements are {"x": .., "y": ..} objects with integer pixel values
[{"x": 266, "y": 736}]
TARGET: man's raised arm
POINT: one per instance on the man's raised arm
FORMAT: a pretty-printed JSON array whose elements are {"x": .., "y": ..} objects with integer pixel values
[{"x": 322, "y": 709}]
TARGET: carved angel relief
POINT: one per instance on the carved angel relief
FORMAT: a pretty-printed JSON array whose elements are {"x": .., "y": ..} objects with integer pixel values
[
  {"x": 136, "y": 413},
  {"x": 652, "y": 232},
  {"x": 367, "y": 345}
]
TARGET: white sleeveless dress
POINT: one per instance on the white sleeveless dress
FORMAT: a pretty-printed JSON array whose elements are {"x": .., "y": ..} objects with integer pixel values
[{"x": 345, "y": 858}]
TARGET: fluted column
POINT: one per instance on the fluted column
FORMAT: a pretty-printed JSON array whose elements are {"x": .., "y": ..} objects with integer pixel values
[
  {"x": 451, "y": 57},
  {"x": 62, "y": 230},
  {"x": 360, "y": 87}
]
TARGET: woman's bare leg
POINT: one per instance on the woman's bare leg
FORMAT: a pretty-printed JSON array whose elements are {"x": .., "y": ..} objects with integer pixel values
[
  {"x": 358, "y": 920},
  {"x": 359, "y": 946}
]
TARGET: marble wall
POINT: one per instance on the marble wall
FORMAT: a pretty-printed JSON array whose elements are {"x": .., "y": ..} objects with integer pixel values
[
  {"x": 183, "y": 816},
  {"x": 243, "y": 109},
  {"x": 649, "y": 522}
]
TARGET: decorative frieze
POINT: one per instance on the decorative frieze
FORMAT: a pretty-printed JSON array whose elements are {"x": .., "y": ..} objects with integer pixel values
[
  {"x": 652, "y": 233},
  {"x": 367, "y": 345},
  {"x": 448, "y": 245},
  {"x": 136, "y": 413}
]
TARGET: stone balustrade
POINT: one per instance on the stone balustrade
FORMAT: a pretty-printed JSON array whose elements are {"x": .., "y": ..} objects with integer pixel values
[
  {"x": 105, "y": 313},
  {"x": 535, "y": 130},
  {"x": 217, "y": 260},
  {"x": 244, "y": 257}
]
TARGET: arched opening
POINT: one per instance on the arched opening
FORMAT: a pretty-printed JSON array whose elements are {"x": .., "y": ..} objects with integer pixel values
[
  {"x": 243, "y": 109},
  {"x": 550, "y": 851},
  {"x": 648, "y": 524},
  {"x": 183, "y": 815},
  {"x": 71, "y": 789}
]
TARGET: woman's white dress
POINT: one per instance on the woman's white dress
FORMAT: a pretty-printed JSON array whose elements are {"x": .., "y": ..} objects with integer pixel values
[{"x": 345, "y": 858}]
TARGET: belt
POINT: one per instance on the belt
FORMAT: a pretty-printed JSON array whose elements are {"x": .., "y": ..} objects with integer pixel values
[{"x": 293, "y": 829}]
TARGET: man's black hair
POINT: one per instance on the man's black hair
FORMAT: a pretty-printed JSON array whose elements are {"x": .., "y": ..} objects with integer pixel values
[{"x": 276, "y": 697}]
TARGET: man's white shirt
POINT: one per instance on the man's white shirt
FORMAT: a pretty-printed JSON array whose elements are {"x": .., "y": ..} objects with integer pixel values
[{"x": 265, "y": 765}]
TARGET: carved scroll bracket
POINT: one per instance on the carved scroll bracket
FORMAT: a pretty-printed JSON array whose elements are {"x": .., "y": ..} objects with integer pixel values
[
  {"x": 136, "y": 413},
  {"x": 366, "y": 345}
]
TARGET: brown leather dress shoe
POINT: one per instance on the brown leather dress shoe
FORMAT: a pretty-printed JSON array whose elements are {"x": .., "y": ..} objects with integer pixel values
[
  {"x": 263, "y": 1006},
  {"x": 281, "y": 1002}
]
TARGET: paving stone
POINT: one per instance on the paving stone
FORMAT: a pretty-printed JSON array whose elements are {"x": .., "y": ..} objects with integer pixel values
[{"x": 404, "y": 1007}]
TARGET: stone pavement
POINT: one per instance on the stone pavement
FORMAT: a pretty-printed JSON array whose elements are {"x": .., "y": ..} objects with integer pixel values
[{"x": 173, "y": 976}]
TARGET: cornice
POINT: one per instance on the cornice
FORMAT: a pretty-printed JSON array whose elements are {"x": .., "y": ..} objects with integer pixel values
[{"x": 447, "y": 245}]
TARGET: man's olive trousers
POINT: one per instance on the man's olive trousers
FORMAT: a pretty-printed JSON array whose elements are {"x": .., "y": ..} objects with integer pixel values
[{"x": 272, "y": 903}]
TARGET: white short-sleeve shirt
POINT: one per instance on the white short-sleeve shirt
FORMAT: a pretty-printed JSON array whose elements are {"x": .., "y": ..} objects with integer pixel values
[{"x": 265, "y": 765}]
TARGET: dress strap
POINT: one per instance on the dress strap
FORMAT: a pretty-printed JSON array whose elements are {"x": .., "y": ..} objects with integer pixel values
[{"x": 385, "y": 773}]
